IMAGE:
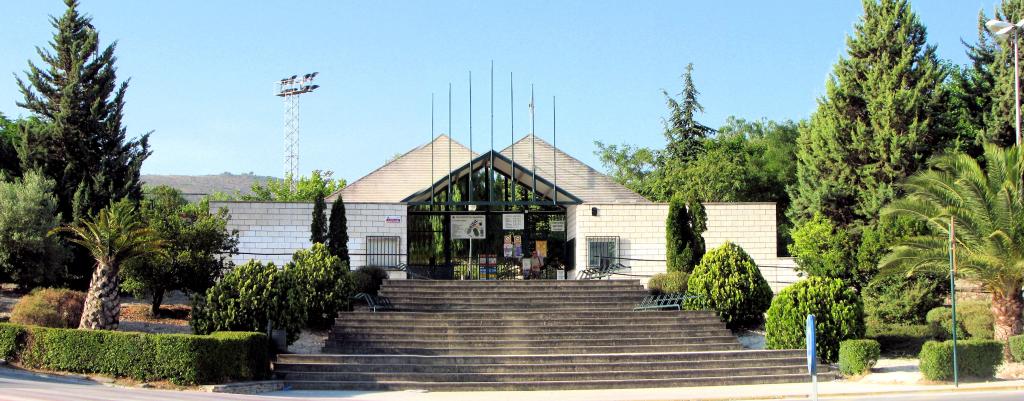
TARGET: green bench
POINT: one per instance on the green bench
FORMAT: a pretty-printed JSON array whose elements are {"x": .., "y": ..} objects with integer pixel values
[
  {"x": 664, "y": 301},
  {"x": 601, "y": 272},
  {"x": 374, "y": 302}
]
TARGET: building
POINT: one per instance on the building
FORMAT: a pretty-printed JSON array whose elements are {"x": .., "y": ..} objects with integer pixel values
[{"x": 444, "y": 211}]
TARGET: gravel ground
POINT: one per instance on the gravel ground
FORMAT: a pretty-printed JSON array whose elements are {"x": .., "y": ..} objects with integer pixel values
[{"x": 752, "y": 339}]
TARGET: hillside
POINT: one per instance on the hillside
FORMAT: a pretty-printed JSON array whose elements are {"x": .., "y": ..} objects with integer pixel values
[{"x": 206, "y": 184}]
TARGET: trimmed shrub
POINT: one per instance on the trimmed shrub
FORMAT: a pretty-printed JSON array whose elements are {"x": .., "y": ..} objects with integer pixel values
[
  {"x": 856, "y": 357},
  {"x": 974, "y": 320},
  {"x": 1016, "y": 347},
  {"x": 50, "y": 307},
  {"x": 368, "y": 279},
  {"x": 668, "y": 283},
  {"x": 728, "y": 282},
  {"x": 822, "y": 249},
  {"x": 324, "y": 283},
  {"x": 181, "y": 358},
  {"x": 12, "y": 336},
  {"x": 248, "y": 298},
  {"x": 679, "y": 238},
  {"x": 975, "y": 358},
  {"x": 901, "y": 339},
  {"x": 837, "y": 308}
]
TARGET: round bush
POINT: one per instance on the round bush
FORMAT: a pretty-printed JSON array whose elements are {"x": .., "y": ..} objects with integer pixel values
[
  {"x": 50, "y": 307},
  {"x": 668, "y": 283},
  {"x": 976, "y": 359},
  {"x": 324, "y": 282},
  {"x": 856, "y": 357},
  {"x": 728, "y": 281},
  {"x": 974, "y": 320},
  {"x": 368, "y": 279},
  {"x": 838, "y": 311},
  {"x": 1017, "y": 347},
  {"x": 898, "y": 299},
  {"x": 248, "y": 298}
]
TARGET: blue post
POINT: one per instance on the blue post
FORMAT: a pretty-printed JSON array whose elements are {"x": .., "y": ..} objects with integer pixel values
[{"x": 812, "y": 355}]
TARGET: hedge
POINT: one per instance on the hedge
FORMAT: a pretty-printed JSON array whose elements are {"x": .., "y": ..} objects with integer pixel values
[
  {"x": 858, "y": 356},
  {"x": 974, "y": 320},
  {"x": 901, "y": 339},
  {"x": 728, "y": 281},
  {"x": 1016, "y": 348},
  {"x": 837, "y": 307},
  {"x": 976, "y": 359},
  {"x": 181, "y": 358}
]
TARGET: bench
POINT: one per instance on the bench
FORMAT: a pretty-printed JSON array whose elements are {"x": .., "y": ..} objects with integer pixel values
[
  {"x": 600, "y": 272},
  {"x": 374, "y": 302},
  {"x": 664, "y": 301}
]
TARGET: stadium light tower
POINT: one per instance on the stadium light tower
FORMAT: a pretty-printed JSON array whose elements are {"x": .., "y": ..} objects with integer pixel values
[{"x": 290, "y": 88}]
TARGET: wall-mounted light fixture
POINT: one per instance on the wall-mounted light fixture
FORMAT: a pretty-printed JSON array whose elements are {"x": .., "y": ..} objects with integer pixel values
[{"x": 593, "y": 211}]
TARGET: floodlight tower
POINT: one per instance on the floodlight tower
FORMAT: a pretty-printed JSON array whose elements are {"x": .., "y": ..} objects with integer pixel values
[{"x": 290, "y": 88}]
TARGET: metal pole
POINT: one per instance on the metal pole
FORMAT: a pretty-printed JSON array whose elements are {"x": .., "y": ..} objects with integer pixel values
[
  {"x": 554, "y": 150},
  {"x": 533, "y": 144},
  {"x": 431, "y": 151},
  {"x": 449, "y": 146},
  {"x": 952, "y": 293},
  {"x": 1016, "y": 84},
  {"x": 471, "y": 140},
  {"x": 512, "y": 122},
  {"x": 490, "y": 167}
]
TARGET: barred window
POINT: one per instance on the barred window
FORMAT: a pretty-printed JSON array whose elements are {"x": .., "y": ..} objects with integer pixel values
[
  {"x": 383, "y": 251},
  {"x": 602, "y": 251}
]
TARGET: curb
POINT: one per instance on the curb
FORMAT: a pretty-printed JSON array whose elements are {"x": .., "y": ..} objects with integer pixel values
[
  {"x": 253, "y": 387},
  {"x": 806, "y": 395}
]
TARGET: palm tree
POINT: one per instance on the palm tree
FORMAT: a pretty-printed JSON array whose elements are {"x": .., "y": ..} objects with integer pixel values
[
  {"x": 115, "y": 235},
  {"x": 985, "y": 200}
]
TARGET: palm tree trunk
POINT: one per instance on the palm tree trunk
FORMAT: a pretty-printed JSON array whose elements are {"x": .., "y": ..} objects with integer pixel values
[
  {"x": 1006, "y": 311},
  {"x": 102, "y": 304}
]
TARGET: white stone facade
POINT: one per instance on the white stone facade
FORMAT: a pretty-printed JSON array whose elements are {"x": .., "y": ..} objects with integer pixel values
[
  {"x": 752, "y": 226},
  {"x": 272, "y": 231},
  {"x": 640, "y": 228}
]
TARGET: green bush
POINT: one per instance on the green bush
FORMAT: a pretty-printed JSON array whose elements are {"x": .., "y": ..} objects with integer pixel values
[
  {"x": 668, "y": 283},
  {"x": 248, "y": 298},
  {"x": 679, "y": 239},
  {"x": 858, "y": 356},
  {"x": 898, "y": 299},
  {"x": 821, "y": 249},
  {"x": 901, "y": 339},
  {"x": 975, "y": 359},
  {"x": 1016, "y": 348},
  {"x": 728, "y": 281},
  {"x": 324, "y": 283},
  {"x": 974, "y": 320},
  {"x": 28, "y": 211},
  {"x": 368, "y": 279},
  {"x": 12, "y": 336},
  {"x": 50, "y": 307},
  {"x": 182, "y": 359},
  {"x": 837, "y": 308}
]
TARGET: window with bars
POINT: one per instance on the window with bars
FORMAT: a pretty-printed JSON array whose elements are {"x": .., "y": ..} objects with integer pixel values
[
  {"x": 602, "y": 251},
  {"x": 383, "y": 251}
]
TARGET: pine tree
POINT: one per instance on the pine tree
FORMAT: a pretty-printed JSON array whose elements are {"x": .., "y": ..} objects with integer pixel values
[
  {"x": 882, "y": 115},
  {"x": 987, "y": 86},
  {"x": 318, "y": 228},
  {"x": 80, "y": 142},
  {"x": 337, "y": 233},
  {"x": 682, "y": 131}
]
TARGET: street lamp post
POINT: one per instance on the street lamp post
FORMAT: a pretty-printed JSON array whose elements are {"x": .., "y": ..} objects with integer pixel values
[{"x": 1002, "y": 30}]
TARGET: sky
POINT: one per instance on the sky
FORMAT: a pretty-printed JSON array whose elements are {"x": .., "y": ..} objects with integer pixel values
[{"x": 203, "y": 73}]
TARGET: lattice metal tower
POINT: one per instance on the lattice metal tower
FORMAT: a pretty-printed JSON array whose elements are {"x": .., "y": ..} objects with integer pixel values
[{"x": 290, "y": 88}]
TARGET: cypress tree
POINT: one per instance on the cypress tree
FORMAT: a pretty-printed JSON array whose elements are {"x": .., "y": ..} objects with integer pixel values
[
  {"x": 882, "y": 115},
  {"x": 80, "y": 142},
  {"x": 318, "y": 229},
  {"x": 337, "y": 233},
  {"x": 678, "y": 238},
  {"x": 682, "y": 131}
]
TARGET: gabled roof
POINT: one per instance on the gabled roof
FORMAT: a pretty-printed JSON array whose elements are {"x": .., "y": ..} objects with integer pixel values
[
  {"x": 577, "y": 178},
  {"x": 502, "y": 164},
  {"x": 407, "y": 174},
  {"x": 410, "y": 173}
]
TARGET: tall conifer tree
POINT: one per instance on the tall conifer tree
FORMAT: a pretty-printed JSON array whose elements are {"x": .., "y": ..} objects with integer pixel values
[
  {"x": 682, "y": 131},
  {"x": 337, "y": 232},
  {"x": 318, "y": 228},
  {"x": 81, "y": 143},
  {"x": 882, "y": 115}
]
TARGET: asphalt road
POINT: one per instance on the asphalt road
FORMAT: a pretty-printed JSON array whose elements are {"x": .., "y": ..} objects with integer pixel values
[{"x": 960, "y": 396}]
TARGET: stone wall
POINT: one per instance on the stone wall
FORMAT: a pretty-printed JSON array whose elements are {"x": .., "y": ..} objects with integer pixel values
[
  {"x": 640, "y": 229},
  {"x": 272, "y": 231},
  {"x": 752, "y": 226}
]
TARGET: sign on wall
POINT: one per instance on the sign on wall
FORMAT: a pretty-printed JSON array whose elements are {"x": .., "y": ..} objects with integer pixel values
[
  {"x": 513, "y": 221},
  {"x": 469, "y": 226},
  {"x": 557, "y": 226},
  {"x": 393, "y": 219}
]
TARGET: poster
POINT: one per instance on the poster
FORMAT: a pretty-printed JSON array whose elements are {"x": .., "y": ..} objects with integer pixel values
[
  {"x": 513, "y": 221},
  {"x": 518, "y": 246},
  {"x": 557, "y": 225},
  {"x": 469, "y": 226},
  {"x": 507, "y": 248},
  {"x": 542, "y": 248}
]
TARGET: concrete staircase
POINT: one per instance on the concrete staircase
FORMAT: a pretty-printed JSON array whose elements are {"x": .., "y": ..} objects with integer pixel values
[{"x": 530, "y": 335}]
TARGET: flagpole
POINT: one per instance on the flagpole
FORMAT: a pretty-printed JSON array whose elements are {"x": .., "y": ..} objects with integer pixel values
[
  {"x": 449, "y": 146},
  {"x": 512, "y": 147},
  {"x": 490, "y": 167},
  {"x": 554, "y": 149},
  {"x": 431, "y": 151},
  {"x": 952, "y": 293},
  {"x": 471, "y": 140}
]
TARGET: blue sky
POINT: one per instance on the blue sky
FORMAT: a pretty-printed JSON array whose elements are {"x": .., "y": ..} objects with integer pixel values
[{"x": 203, "y": 72}]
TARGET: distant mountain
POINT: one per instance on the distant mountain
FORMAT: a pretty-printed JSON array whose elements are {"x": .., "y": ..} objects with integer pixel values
[{"x": 207, "y": 184}]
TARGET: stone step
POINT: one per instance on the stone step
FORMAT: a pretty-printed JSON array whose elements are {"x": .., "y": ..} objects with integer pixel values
[
  {"x": 510, "y": 292},
  {"x": 412, "y": 325},
  {"x": 529, "y": 315},
  {"x": 484, "y": 342},
  {"x": 509, "y": 283},
  {"x": 444, "y": 360},
  {"x": 550, "y": 385},
  {"x": 537, "y": 368},
  {"x": 414, "y": 306},
  {"x": 350, "y": 348},
  {"x": 541, "y": 376},
  {"x": 346, "y": 335},
  {"x": 431, "y": 328},
  {"x": 533, "y": 299}
]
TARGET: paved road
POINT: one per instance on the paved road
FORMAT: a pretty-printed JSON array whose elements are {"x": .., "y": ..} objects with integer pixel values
[{"x": 960, "y": 396}]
